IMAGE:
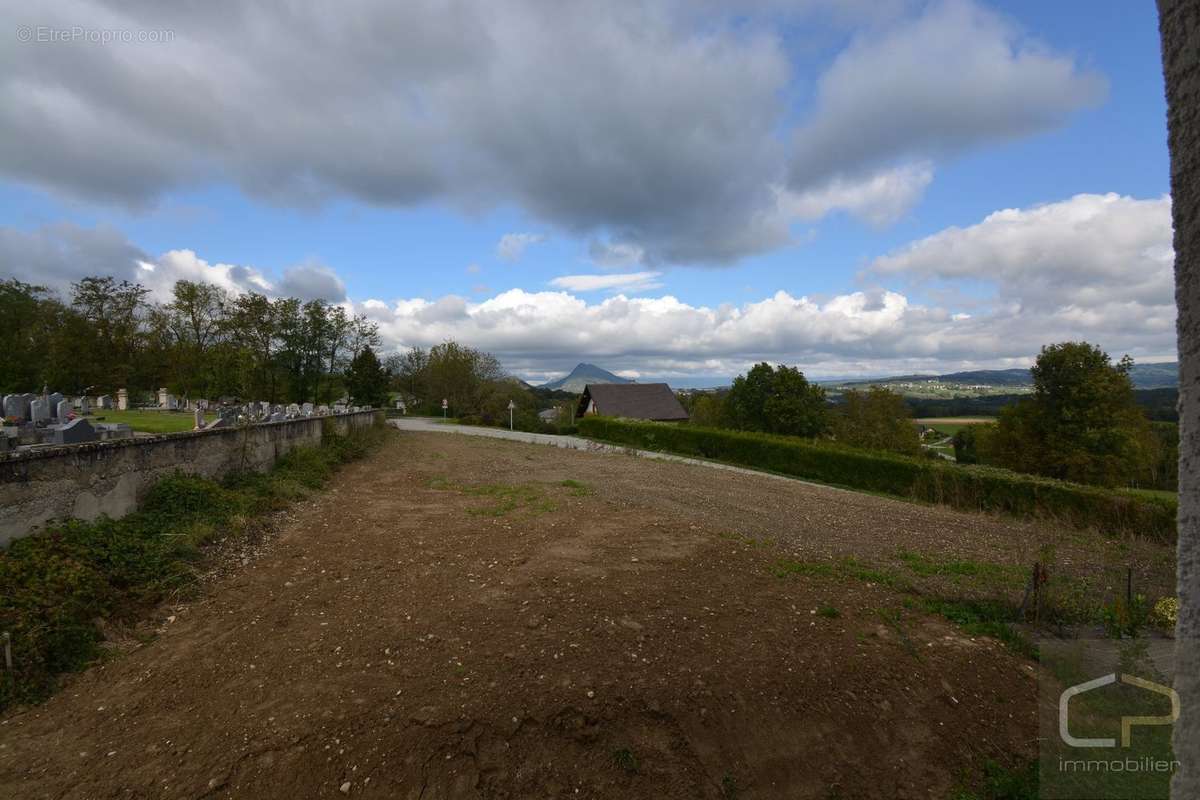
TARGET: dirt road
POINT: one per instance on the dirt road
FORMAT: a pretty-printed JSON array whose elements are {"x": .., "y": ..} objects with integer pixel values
[{"x": 462, "y": 617}]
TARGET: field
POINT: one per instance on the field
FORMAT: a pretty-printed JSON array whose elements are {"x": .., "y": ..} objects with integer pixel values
[
  {"x": 952, "y": 425},
  {"x": 461, "y": 617},
  {"x": 148, "y": 421}
]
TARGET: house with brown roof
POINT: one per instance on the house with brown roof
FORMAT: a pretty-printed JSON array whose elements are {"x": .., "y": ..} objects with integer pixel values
[{"x": 652, "y": 401}]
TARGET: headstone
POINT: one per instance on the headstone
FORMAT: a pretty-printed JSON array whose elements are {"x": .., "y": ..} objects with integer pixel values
[
  {"x": 113, "y": 430},
  {"x": 122, "y": 399},
  {"x": 55, "y": 398},
  {"x": 63, "y": 410},
  {"x": 172, "y": 403},
  {"x": 105, "y": 402},
  {"x": 39, "y": 411},
  {"x": 29, "y": 397},
  {"x": 163, "y": 394},
  {"x": 14, "y": 406},
  {"x": 83, "y": 406},
  {"x": 77, "y": 431},
  {"x": 199, "y": 420},
  {"x": 276, "y": 409},
  {"x": 306, "y": 409},
  {"x": 293, "y": 410},
  {"x": 27, "y": 433},
  {"x": 323, "y": 410},
  {"x": 277, "y": 417},
  {"x": 221, "y": 422}
]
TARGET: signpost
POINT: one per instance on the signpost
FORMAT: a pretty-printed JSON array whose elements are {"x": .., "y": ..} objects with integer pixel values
[
  {"x": 445, "y": 405},
  {"x": 511, "y": 406}
]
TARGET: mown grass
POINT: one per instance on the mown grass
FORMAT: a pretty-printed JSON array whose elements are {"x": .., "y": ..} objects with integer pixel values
[
  {"x": 59, "y": 587},
  {"x": 152, "y": 421}
]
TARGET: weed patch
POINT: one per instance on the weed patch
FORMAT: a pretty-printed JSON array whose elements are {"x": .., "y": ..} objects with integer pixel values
[{"x": 56, "y": 585}]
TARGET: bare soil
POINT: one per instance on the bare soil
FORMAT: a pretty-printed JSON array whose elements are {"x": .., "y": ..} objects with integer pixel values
[{"x": 450, "y": 620}]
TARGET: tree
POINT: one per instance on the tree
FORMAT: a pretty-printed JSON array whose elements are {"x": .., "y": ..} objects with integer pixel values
[
  {"x": 877, "y": 419},
  {"x": 114, "y": 313},
  {"x": 366, "y": 380},
  {"x": 1082, "y": 422},
  {"x": 777, "y": 401},
  {"x": 708, "y": 410}
]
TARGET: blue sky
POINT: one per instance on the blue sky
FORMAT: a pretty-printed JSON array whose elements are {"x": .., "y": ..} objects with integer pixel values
[{"x": 112, "y": 160}]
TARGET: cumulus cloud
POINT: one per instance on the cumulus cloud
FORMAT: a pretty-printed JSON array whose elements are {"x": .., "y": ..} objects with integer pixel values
[
  {"x": 1094, "y": 267},
  {"x": 513, "y": 245},
  {"x": 1084, "y": 252},
  {"x": 658, "y": 124},
  {"x": 312, "y": 282},
  {"x": 879, "y": 199},
  {"x": 626, "y": 282},
  {"x": 956, "y": 77}
]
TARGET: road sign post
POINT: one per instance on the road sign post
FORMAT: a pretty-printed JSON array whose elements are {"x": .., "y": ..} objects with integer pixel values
[
  {"x": 445, "y": 405},
  {"x": 511, "y": 406}
]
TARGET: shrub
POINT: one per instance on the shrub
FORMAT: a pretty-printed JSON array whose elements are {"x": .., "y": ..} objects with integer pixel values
[{"x": 967, "y": 487}]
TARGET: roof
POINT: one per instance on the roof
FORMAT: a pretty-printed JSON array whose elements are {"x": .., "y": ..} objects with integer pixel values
[{"x": 654, "y": 401}]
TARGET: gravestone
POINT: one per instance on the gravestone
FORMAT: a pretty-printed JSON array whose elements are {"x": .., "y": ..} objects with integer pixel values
[
  {"x": 29, "y": 398},
  {"x": 83, "y": 406},
  {"x": 113, "y": 430},
  {"x": 77, "y": 431},
  {"x": 199, "y": 421},
  {"x": 39, "y": 411},
  {"x": 323, "y": 410},
  {"x": 13, "y": 406},
  {"x": 306, "y": 409},
  {"x": 104, "y": 401},
  {"x": 55, "y": 398},
  {"x": 122, "y": 399},
  {"x": 293, "y": 410},
  {"x": 63, "y": 410},
  {"x": 277, "y": 417},
  {"x": 221, "y": 422}
]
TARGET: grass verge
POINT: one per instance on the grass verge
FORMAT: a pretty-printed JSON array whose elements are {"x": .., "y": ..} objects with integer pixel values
[
  {"x": 59, "y": 587},
  {"x": 968, "y": 487}
]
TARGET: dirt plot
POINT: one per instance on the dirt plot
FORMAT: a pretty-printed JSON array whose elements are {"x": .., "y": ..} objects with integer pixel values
[{"x": 463, "y": 617}]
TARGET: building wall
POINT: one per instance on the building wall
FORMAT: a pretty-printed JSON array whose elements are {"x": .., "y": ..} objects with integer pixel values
[
  {"x": 88, "y": 480},
  {"x": 1179, "y": 23}
]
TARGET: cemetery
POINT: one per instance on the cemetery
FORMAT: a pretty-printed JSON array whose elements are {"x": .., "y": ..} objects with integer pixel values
[
  {"x": 58, "y": 461},
  {"x": 49, "y": 419}
]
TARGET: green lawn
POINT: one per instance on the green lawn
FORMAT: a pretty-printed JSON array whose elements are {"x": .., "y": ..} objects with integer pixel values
[
  {"x": 151, "y": 421},
  {"x": 948, "y": 426}
]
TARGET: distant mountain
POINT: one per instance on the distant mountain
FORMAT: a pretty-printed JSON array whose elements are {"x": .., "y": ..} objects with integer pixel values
[
  {"x": 1145, "y": 376},
  {"x": 581, "y": 376},
  {"x": 1156, "y": 376}
]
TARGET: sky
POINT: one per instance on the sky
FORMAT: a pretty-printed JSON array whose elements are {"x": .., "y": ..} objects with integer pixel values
[{"x": 670, "y": 189}]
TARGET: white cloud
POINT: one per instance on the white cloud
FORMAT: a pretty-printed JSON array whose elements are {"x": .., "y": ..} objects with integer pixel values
[
  {"x": 513, "y": 245},
  {"x": 956, "y": 77},
  {"x": 879, "y": 199},
  {"x": 1087, "y": 251},
  {"x": 1094, "y": 267},
  {"x": 627, "y": 282}
]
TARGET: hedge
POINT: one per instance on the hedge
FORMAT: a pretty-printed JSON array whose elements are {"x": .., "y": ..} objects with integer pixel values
[{"x": 975, "y": 488}]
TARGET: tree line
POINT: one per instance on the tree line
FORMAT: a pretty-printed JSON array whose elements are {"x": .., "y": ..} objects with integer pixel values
[
  {"x": 203, "y": 343},
  {"x": 1082, "y": 423},
  {"x": 781, "y": 400}
]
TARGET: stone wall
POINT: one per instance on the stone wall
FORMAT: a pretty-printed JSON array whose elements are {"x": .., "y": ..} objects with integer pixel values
[
  {"x": 88, "y": 480},
  {"x": 1179, "y": 23}
]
